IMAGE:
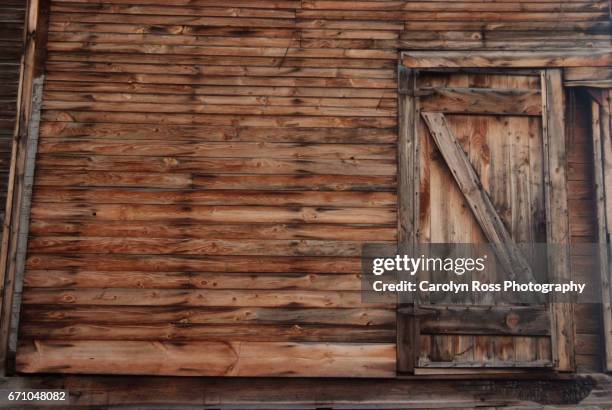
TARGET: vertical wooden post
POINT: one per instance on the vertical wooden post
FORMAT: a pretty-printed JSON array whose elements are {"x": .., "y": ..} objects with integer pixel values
[
  {"x": 18, "y": 189},
  {"x": 408, "y": 212},
  {"x": 602, "y": 167},
  {"x": 557, "y": 222},
  {"x": 606, "y": 138}
]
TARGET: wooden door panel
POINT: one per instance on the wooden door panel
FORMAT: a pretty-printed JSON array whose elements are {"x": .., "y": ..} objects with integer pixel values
[
  {"x": 481, "y": 180},
  {"x": 484, "y": 211}
]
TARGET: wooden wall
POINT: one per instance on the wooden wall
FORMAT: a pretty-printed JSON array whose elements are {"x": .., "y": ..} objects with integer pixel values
[
  {"x": 12, "y": 16},
  {"x": 208, "y": 170}
]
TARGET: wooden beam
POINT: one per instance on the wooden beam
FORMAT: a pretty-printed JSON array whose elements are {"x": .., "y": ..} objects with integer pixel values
[
  {"x": 27, "y": 181},
  {"x": 227, "y": 358},
  {"x": 606, "y": 137},
  {"x": 490, "y": 320},
  {"x": 519, "y": 389},
  {"x": 507, "y": 59},
  {"x": 156, "y": 315},
  {"x": 20, "y": 174},
  {"x": 602, "y": 165},
  {"x": 521, "y": 72},
  {"x": 592, "y": 77},
  {"x": 192, "y": 333},
  {"x": 604, "y": 84},
  {"x": 407, "y": 167},
  {"x": 557, "y": 222},
  {"x": 481, "y": 101},
  {"x": 490, "y": 373},
  {"x": 576, "y": 74},
  {"x": 200, "y": 297},
  {"x": 479, "y": 364},
  {"x": 407, "y": 214},
  {"x": 507, "y": 252}
]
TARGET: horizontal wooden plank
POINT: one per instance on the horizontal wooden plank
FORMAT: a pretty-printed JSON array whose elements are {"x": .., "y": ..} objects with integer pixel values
[
  {"x": 604, "y": 84},
  {"x": 202, "y": 213},
  {"x": 219, "y": 80},
  {"x": 597, "y": 77},
  {"x": 217, "y": 31},
  {"x": 517, "y": 26},
  {"x": 215, "y": 197},
  {"x": 572, "y": 74},
  {"x": 173, "y": 43},
  {"x": 449, "y": 15},
  {"x": 133, "y": 85},
  {"x": 478, "y": 364},
  {"x": 285, "y": 4},
  {"x": 516, "y": 6},
  {"x": 190, "y": 280},
  {"x": 481, "y": 101},
  {"x": 207, "y": 358},
  {"x": 263, "y": 61},
  {"x": 59, "y": 7},
  {"x": 198, "y": 297},
  {"x": 118, "y": 27},
  {"x": 272, "y": 4},
  {"x": 231, "y": 21},
  {"x": 220, "y": 109},
  {"x": 492, "y": 320},
  {"x": 295, "y": 52},
  {"x": 366, "y": 8},
  {"x": 218, "y": 120},
  {"x": 216, "y": 149},
  {"x": 145, "y": 40},
  {"x": 208, "y": 332},
  {"x": 496, "y": 59},
  {"x": 152, "y": 263},
  {"x": 204, "y": 133},
  {"x": 225, "y": 166},
  {"x": 81, "y": 177},
  {"x": 178, "y": 229},
  {"x": 223, "y": 21},
  {"x": 231, "y": 100},
  {"x": 520, "y": 387},
  {"x": 208, "y": 315},
  {"x": 184, "y": 246},
  {"x": 201, "y": 70}
]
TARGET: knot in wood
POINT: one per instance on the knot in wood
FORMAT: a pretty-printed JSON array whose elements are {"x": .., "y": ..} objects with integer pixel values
[{"x": 512, "y": 320}]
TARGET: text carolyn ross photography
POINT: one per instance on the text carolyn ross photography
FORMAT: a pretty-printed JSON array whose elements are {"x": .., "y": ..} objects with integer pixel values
[{"x": 476, "y": 286}]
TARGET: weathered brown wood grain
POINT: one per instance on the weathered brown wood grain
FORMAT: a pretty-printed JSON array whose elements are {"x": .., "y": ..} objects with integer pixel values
[
  {"x": 194, "y": 145},
  {"x": 222, "y": 358}
]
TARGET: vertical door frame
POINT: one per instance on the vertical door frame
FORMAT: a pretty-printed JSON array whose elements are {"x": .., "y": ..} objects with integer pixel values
[
  {"x": 408, "y": 210},
  {"x": 601, "y": 106},
  {"x": 557, "y": 215},
  {"x": 550, "y": 65},
  {"x": 21, "y": 174}
]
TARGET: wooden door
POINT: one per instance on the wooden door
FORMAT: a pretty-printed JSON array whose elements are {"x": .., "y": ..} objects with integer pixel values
[{"x": 484, "y": 155}]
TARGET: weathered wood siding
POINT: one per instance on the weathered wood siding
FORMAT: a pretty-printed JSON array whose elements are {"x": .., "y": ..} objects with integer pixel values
[
  {"x": 12, "y": 16},
  {"x": 208, "y": 170}
]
